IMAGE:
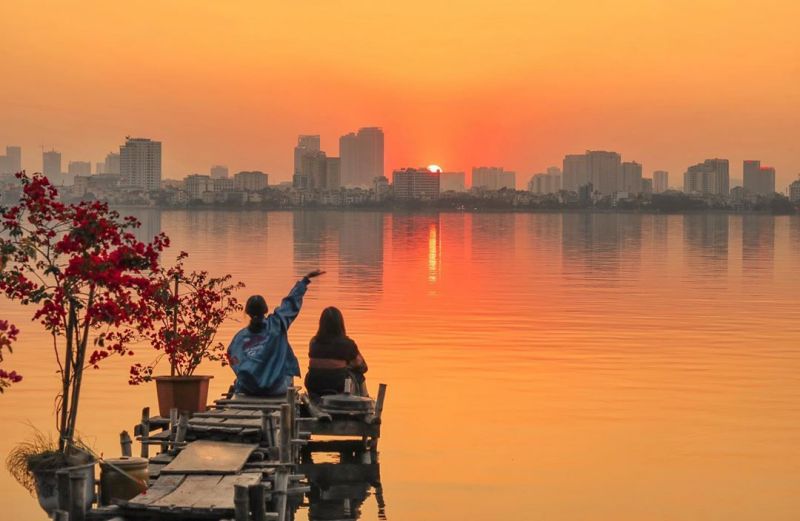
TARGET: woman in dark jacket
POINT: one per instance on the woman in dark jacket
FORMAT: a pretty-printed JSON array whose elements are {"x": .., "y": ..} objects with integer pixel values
[{"x": 333, "y": 357}]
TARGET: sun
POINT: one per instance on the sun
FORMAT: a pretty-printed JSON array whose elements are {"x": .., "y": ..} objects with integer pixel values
[{"x": 436, "y": 169}]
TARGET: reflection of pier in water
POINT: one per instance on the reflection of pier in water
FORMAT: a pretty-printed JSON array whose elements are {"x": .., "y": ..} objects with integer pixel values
[{"x": 340, "y": 489}]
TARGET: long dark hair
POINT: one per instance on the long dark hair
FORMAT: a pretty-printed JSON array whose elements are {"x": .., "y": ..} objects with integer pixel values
[
  {"x": 331, "y": 325},
  {"x": 256, "y": 307}
]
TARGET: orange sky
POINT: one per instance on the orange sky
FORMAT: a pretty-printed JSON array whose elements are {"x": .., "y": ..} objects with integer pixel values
[{"x": 519, "y": 84}]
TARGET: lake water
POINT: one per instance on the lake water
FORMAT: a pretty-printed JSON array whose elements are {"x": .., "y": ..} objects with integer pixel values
[{"x": 540, "y": 366}]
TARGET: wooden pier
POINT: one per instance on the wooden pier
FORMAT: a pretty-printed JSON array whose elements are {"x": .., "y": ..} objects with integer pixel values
[{"x": 246, "y": 459}]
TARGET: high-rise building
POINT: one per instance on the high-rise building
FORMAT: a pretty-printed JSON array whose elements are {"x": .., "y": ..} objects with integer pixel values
[
  {"x": 647, "y": 186},
  {"x": 11, "y": 163},
  {"x": 51, "y": 165},
  {"x": 333, "y": 173},
  {"x": 415, "y": 183},
  {"x": 493, "y": 178},
  {"x": 711, "y": 177},
  {"x": 452, "y": 181},
  {"x": 79, "y": 168},
  {"x": 306, "y": 144},
  {"x": 794, "y": 192},
  {"x": 546, "y": 183},
  {"x": 197, "y": 185},
  {"x": 313, "y": 170},
  {"x": 602, "y": 169},
  {"x": 140, "y": 163},
  {"x": 758, "y": 179},
  {"x": 99, "y": 168},
  {"x": 111, "y": 164},
  {"x": 348, "y": 155},
  {"x": 219, "y": 172},
  {"x": 631, "y": 181},
  {"x": 251, "y": 181},
  {"x": 361, "y": 156},
  {"x": 576, "y": 171},
  {"x": 660, "y": 181}
]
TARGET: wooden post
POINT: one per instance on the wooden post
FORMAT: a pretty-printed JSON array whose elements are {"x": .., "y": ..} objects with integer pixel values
[
  {"x": 144, "y": 428},
  {"x": 173, "y": 424},
  {"x": 379, "y": 400},
  {"x": 60, "y": 515},
  {"x": 77, "y": 496},
  {"x": 281, "y": 489},
  {"x": 266, "y": 428},
  {"x": 285, "y": 446},
  {"x": 241, "y": 502},
  {"x": 257, "y": 505},
  {"x": 183, "y": 426},
  {"x": 125, "y": 444},
  {"x": 62, "y": 479},
  {"x": 348, "y": 386}
]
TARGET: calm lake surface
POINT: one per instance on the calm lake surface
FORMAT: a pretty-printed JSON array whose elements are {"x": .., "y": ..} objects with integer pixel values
[{"x": 540, "y": 366}]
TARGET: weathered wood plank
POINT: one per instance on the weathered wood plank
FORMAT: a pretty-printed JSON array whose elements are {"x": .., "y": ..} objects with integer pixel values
[
  {"x": 210, "y": 457},
  {"x": 164, "y": 485}
]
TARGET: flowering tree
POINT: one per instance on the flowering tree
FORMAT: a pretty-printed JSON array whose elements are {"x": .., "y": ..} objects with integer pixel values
[
  {"x": 8, "y": 334},
  {"x": 88, "y": 276},
  {"x": 188, "y": 308}
]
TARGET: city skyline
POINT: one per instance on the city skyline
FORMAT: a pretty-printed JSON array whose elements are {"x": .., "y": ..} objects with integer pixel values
[{"x": 666, "y": 90}]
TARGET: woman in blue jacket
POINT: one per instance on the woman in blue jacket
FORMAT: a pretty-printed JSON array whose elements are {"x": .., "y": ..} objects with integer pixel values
[{"x": 260, "y": 354}]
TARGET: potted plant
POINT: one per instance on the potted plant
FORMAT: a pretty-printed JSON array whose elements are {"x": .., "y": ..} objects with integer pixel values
[
  {"x": 89, "y": 279},
  {"x": 188, "y": 307}
]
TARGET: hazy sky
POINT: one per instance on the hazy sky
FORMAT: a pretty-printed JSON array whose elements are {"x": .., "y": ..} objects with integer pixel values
[{"x": 518, "y": 84}]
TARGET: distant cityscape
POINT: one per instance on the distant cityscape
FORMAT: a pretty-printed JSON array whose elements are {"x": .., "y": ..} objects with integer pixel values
[{"x": 358, "y": 177}]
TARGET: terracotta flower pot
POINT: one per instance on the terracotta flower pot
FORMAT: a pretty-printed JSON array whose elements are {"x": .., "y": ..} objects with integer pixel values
[{"x": 185, "y": 393}]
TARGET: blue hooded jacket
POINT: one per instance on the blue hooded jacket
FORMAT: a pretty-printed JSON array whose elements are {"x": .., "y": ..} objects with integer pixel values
[{"x": 262, "y": 361}]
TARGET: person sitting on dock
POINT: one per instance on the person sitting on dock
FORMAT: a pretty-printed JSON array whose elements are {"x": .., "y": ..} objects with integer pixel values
[
  {"x": 333, "y": 358},
  {"x": 260, "y": 354}
]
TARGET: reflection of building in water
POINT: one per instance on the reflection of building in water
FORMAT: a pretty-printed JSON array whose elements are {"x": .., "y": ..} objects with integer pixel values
[
  {"x": 794, "y": 233},
  {"x": 600, "y": 242},
  {"x": 150, "y": 219},
  {"x": 705, "y": 238},
  {"x": 361, "y": 251},
  {"x": 758, "y": 244},
  {"x": 416, "y": 237},
  {"x": 310, "y": 232},
  {"x": 493, "y": 236}
]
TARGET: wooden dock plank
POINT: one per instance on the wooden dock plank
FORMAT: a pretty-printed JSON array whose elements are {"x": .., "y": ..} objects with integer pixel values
[
  {"x": 221, "y": 496},
  {"x": 210, "y": 457},
  {"x": 164, "y": 485}
]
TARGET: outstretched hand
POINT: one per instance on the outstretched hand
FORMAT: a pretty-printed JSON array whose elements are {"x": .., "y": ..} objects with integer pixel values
[{"x": 315, "y": 273}]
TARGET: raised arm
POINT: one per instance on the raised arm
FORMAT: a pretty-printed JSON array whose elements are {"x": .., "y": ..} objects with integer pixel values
[{"x": 291, "y": 303}]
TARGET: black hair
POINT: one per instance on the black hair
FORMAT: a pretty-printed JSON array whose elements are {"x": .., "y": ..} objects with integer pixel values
[
  {"x": 256, "y": 307},
  {"x": 331, "y": 325}
]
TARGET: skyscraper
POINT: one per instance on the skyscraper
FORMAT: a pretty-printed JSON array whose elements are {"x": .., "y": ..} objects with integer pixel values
[
  {"x": 711, "y": 177},
  {"x": 111, "y": 164},
  {"x": 219, "y": 172},
  {"x": 51, "y": 165},
  {"x": 140, "y": 163},
  {"x": 361, "y": 156},
  {"x": 493, "y": 178},
  {"x": 546, "y": 183},
  {"x": 631, "y": 181},
  {"x": 452, "y": 181},
  {"x": 13, "y": 159},
  {"x": 576, "y": 171},
  {"x": 348, "y": 155},
  {"x": 333, "y": 173},
  {"x": 415, "y": 183},
  {"x": 306, "y": 144},
  {"x": 758, "y": 179},
  {"x": 660, "y": 181},
  {"x": 79, "y": 168}
]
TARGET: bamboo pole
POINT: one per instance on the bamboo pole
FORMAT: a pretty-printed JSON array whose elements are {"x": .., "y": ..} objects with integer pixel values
[{"x": 285, "y": 446}]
